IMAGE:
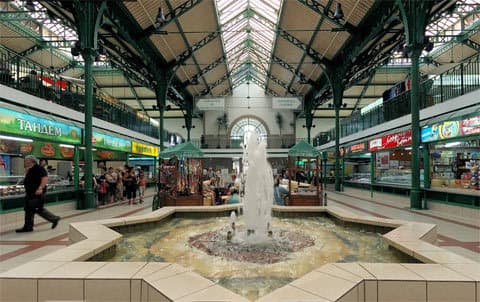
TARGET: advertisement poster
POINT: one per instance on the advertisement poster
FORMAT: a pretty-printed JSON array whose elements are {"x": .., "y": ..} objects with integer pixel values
[
  {"x": 4, "y": 165},
  {"x": 109, "y": 142},
  {"x": 451, "y": 129},
  {"x": 39, "y": 149},
  {"x": 109, "y": 155},
  {"x": 383, "y": 160},
  {"x": 14, "y": 122}
]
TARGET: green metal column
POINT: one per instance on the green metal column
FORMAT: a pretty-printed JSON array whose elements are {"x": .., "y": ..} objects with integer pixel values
[
  {"x": 308, "y": 124},
  {"x": 372, "y": 173},
  {"x": 89, "y": 21},
  {"x": 88, "y": 168},
  {"x": 161, "y": 94},
  {"x": 76, "y": 170},
  {"x": 127, "y": 160},
  {"x": 414, "y": 17},
  {"x": 188, "y": 117},
  {"x": 337, "y": 88},
  {"x": 155, "y": 168},
  {"x": 426, "y": 167},
  {"x": 415, "y": 194},
  {"x": 324, "y": 159}
]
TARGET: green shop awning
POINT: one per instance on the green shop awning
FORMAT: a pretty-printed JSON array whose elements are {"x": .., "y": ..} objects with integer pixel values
[
  {"x": 302, "y": 148},
  {"x": 185, "y": 150}
]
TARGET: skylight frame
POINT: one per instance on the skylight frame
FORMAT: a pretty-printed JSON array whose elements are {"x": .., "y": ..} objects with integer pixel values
[{"x": 254, "y": 21}]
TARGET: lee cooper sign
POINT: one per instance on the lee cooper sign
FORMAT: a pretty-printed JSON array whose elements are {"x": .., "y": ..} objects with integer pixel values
[{"x": 399, "y": 139}]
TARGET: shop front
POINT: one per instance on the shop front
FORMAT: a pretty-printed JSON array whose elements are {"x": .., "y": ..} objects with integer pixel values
[
  {"x": 357, "y": 165},
  {"x": 144, "y": 157},
  {"x": 110, "y": 151},
  {"x": 453, "y": 154},
  {"x": 391, "y": 169},
  {"x": 54, "y": 143}
]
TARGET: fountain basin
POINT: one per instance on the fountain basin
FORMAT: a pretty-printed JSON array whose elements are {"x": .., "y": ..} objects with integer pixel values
[{"x": 139, "y": 281}]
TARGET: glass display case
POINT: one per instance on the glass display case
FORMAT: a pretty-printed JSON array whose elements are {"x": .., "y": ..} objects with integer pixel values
[
  {"x": 12, "y": 186},
  {"x": 360, "y": 177},
  {"x": 455, "y": 165}
]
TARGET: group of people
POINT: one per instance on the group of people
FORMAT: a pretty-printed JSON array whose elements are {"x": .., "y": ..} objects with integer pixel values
[{"x": 115, "y": 185}]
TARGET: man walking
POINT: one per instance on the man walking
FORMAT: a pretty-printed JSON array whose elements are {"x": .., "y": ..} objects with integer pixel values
[{"x": 35, "y": 182}]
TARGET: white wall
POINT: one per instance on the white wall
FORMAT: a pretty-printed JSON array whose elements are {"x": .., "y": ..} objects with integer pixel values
[
  {"x": 258, "y": 105},
  {"x": 175, "y": 125},
  {"x": 321, "y": 125}
]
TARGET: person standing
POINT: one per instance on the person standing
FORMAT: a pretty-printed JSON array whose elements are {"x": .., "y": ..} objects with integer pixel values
[
  {"x": 142, "y": 184},
  {"x": 35, "y": 183}
]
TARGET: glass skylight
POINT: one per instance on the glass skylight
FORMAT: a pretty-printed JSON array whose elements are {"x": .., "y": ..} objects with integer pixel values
[
  {"x": 248, "y": 31},
  {"x": 59, "y": 36}
]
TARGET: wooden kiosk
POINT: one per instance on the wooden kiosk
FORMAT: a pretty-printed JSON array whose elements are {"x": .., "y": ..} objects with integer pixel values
[
  {"x": 304, "y": 176},
  {"x": 180, "y": 176}
]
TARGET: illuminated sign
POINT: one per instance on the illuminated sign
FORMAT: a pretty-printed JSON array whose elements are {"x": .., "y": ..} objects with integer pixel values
[
  {"x": 19, "y": 123},
  {"x": 395, "y": 140},
  {"x": 109, "y": 142},
  {"x": 451, "y": 129},
  {"x": 139, "y": 148},
  {"x": 357, "y": 148}
]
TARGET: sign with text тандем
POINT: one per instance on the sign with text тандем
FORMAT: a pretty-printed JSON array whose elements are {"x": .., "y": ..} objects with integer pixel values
[
  {"x": 286, "y": 103},
  {"x": 211, "y": 104},
  {"x": 14, "y": 122}
]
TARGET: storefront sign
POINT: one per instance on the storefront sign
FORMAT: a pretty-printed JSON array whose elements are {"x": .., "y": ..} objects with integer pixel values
[
  {"x": 139, "y": 148},
  {"x": 15, "y": 122},
  {"x": 399, "y": 139},
  {"x": 109, "y": 142},
  {"x": 471, "y": 125},
  {"x": 357, "y": 148},
  {"x": 451, "y": 129}
]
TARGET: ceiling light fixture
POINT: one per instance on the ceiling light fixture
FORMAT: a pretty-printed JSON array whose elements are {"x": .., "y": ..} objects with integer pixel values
[
  {"x": 14, "y": 138},
  {"x": 160, "y": 19},
  {"x": 29, "y": 5},
  {"x": 338, "y": 12}
]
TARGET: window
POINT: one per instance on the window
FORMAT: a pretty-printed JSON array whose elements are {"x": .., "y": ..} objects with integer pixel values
[{"x": 242, "y": 129}]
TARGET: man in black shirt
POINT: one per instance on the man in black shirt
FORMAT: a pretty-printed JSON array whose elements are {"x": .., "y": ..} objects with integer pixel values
[{"x": 35, "y": 182}]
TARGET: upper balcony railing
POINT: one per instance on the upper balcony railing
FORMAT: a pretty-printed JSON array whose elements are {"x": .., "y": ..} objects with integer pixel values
[
  {"x": 457, "y": 81},
  {"x": 25, "y": 75}
]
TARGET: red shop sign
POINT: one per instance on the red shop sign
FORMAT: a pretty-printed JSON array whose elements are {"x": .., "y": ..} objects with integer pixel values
[
  {"x": 471, "y": 125},
  {"x": 357, "y": 148},
  {"x": 390, "y": 141}
]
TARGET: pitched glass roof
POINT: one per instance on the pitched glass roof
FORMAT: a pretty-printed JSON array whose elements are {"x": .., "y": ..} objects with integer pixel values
[{"x": 248, "y": 31}]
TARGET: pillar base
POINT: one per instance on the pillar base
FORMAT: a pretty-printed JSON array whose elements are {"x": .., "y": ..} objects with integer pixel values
[
  {"x": 416, "y": 199},
  {"x": 89, "y": 202}
]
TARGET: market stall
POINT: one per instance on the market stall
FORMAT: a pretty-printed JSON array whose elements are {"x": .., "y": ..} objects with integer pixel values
[
  {"x": 452, "y": 150},
  {"x": 55, "y": 143},
  {"x": 304, "y": 176},
  {"x": 180, "y": 176}
]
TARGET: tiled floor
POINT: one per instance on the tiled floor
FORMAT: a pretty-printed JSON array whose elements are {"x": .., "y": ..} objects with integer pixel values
[
  {"x": 459, "y": 235},
  {"x": 17, "y": 248}
]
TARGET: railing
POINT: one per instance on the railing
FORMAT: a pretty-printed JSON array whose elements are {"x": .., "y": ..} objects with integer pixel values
[
  {"x": 454, "y": 82},
  {"x": 215, "y": 142},
  {"x": 25, "y": 75}
]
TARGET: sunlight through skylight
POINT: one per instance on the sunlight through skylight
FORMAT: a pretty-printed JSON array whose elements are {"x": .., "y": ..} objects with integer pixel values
[{"x": 248, "y": 31}]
